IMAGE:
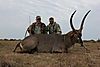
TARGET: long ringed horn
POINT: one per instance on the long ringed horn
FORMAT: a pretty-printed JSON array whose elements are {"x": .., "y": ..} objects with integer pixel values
[
  {"x": 84, "y": 20},
  {"x": 71, "y": 24}
]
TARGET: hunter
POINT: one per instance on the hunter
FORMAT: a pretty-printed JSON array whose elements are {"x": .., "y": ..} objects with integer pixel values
[
  {"x": 37, "y": 27},
  {"x": 53, "y": 27}
]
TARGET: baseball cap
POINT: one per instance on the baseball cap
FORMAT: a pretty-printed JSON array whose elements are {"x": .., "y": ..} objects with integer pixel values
[{"x": 38, "y": 17}]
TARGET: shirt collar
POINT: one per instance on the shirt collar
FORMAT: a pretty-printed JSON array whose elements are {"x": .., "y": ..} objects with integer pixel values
[{"x": 53, "y": 23}]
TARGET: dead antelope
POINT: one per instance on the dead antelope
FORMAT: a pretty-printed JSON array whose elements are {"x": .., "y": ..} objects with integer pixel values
[{"x": 52, "y": 42}]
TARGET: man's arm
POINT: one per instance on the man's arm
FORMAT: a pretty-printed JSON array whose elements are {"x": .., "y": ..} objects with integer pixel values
[
  {"x": 59, "y": 29},
  {"x": 44, "y": 28},
  {"x": 29, "y": 29}
]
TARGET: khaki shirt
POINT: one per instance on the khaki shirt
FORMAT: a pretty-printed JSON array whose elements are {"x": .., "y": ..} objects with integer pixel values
[
  {"x": 54, "y": 28},
  {"x": 38, "y": 28}
]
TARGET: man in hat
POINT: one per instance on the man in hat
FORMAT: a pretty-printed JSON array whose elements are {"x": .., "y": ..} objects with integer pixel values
[
  {"x": 37, "y": 27},
  {"x": 53, "y": 27}
]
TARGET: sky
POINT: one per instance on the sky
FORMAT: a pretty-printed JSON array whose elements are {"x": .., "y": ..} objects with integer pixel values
[{"x": 14, "y": 16}]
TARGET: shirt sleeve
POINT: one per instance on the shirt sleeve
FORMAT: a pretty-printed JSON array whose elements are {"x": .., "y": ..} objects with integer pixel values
[
  {"x": 47, "y": 28},
  {"x": 44, "y": 28},
  {"x": 58, "y": 29}
]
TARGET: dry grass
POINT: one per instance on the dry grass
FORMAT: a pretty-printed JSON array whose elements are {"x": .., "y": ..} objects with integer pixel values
[{"x": 77, "y": 57}]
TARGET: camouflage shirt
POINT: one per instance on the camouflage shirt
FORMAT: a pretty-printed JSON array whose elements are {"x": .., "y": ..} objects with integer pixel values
[
  {"x": 54, "y": 28},
  {"x": 38, "y": 28}
]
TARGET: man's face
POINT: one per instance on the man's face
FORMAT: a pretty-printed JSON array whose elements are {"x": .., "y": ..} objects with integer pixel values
[
  {"x": 38, "y": 20},
  {"x": 51, "y": 21}
]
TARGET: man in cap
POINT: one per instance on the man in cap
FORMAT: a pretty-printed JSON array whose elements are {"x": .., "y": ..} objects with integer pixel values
[
  {"x": 53, "y": 27},
  {"x": 37, "y": 27}
]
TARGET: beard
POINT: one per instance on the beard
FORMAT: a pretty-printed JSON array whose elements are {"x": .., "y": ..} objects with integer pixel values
[{"x": 51, "y": 22}]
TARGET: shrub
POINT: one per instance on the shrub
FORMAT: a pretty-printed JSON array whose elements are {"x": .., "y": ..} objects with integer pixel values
[
  {"x": 98, "y": 40},
  {"x": 93, "y": 41},
  {"x": 6, "y": 39},
  {"x": 12, "y": 39}
]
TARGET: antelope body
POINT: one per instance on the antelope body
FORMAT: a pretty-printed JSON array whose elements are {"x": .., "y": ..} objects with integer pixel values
[{"x": 52, "y": 42}]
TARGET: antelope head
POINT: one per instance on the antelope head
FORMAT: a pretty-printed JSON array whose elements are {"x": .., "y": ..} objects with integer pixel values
[{"x": 77, "y": 34}]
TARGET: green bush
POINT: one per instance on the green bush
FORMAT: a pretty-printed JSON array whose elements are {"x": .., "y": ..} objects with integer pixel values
[
  {"x": 93, "y": 41},
  {"x": 98, "y": 40},
  {"x": 6, "y": 39},
  {"x": 12, "y": 39}
]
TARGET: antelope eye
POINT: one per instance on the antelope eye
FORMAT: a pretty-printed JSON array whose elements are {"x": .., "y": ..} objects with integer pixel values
[{"x": 75, "y": 36}]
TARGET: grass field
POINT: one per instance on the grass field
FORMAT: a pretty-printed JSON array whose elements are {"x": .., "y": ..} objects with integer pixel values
[{"x": 77, "y": 57}]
